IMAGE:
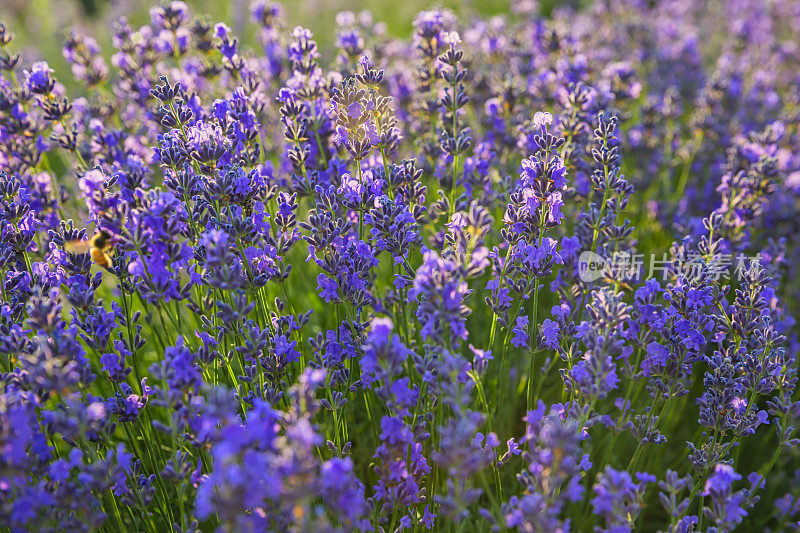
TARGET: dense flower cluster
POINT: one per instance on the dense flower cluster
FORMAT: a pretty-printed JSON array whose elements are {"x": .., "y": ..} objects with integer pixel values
[{"x": 302, "y": 288}]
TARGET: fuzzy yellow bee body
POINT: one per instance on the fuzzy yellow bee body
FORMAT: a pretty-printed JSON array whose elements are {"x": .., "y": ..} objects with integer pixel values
[{"x": 99, "y": 246}]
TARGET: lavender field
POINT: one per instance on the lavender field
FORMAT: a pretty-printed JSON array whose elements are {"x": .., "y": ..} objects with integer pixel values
[{"x": 519, "y": 267}]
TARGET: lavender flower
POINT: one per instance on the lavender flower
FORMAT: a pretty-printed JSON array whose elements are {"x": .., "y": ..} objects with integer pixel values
[{"x": 256, "y": 279}]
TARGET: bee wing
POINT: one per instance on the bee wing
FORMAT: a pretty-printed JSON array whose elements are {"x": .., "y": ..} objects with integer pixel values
[{"x": 77, "y": 246}]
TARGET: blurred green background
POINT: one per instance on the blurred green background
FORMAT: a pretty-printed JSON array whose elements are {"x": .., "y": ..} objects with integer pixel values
[{"x": 39, "y": 25}]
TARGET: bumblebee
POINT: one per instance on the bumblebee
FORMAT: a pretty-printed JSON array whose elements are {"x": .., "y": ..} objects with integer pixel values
[{"x": 99, "y": 246}]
